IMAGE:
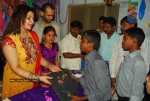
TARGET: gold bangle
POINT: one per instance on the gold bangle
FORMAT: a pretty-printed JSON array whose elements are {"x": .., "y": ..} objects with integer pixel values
[
  {"x": 50, "y": 67},
  {"x": 29, "y": 76},
  {"x": 47, "y": 65}
]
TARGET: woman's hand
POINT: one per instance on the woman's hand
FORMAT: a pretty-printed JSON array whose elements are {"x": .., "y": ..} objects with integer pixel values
[
  {"x": 45, "y": 79},
  {"x": 43, "y": 84},
  {"x": 113, "y": 90},
  {"x": 55, "y": 68}
]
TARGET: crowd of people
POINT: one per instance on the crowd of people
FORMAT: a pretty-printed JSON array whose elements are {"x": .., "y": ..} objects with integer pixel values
[{"x": 114, "y": 63}]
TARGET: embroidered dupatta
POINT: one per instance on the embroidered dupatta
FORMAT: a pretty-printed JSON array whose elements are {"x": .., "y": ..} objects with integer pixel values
[{"x": 37, "y": 68}]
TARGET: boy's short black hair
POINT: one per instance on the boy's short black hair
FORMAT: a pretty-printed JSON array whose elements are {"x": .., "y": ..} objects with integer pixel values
[
  {"x": 125, "y": 19},
  {"x": 76, "y": 24},
  {"x": 137, "y": 33},
  {"x": 110, "y": 20},
  {"x": 93, "y": 36},
  {"x": 102, "y": 18}
]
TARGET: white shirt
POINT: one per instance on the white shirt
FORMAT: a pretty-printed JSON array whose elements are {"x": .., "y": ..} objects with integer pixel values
[
  {"x": 72, "y": 45},
  {"x": 118, "y": 56}
]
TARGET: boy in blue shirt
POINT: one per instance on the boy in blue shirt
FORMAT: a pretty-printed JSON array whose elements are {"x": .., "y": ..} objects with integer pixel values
[
  {"x": 96, "y": 79},
  {"x": 132, "y": 71}
]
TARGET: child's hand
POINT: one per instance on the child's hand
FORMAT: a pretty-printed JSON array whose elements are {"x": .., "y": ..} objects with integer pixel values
[
  {"x": 113, "y": 90},
  {"x": 75, "y": 98},
  {"x": 77, "y": 79}
]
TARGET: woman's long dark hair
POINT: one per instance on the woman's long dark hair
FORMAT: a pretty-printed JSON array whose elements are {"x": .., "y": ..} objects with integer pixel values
[{"x": 17, "y": 18}]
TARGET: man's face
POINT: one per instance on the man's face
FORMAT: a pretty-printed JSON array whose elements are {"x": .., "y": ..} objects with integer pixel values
[
  {"x": 100, "y": 24},
  {"x": 75, "y": 31},
  {"x": 108, "y": 29},
  {"x": 48, "y": 15}
]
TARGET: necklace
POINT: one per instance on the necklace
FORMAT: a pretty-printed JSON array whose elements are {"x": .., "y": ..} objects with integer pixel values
[
  {"x": 24, "y": 36},
  {"x": 47, "y": 45}
]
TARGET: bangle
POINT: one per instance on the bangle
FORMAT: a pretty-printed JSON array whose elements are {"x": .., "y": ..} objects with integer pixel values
[
  {"x": 29, "y": 76},
  {"x": 38, "y": 78},
  {"x": 50, "y": 67},
  {"x": 47, "y": 65}
]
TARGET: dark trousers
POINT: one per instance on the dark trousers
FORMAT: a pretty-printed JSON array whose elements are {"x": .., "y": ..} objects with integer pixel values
[{"x": 123, "y": 98}]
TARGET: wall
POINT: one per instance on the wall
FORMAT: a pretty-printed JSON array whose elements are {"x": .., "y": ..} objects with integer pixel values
[{"x": 64, "y": 4}]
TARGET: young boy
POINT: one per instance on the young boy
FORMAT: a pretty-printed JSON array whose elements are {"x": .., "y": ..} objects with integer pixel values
[
  {"x": 132, "y": 71},
  {"x": 96, "y": 78}
]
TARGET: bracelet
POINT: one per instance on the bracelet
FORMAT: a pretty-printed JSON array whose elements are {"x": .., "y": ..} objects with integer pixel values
[
  {"x": 47, "y": 65},
  {"x": 38, "y": 78},
  {"x": 29, "y": 76},
  {"x": 51, "y": 66}
]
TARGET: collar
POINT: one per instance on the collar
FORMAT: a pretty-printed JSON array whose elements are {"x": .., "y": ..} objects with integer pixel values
[
  {"x": 70, "y": 36},
  {"x": 133, "y": 54},
  {"x": 90, "y": 55}
]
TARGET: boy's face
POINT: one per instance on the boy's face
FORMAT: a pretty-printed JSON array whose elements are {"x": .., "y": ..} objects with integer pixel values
[
  {"x": 127, "y": 42},
  {"x": 148, "y": 84},
  {"x": 125, "y": 25},
  {"x": 122, "y": 28},
  {"x": 84, "y": 45},
  {"x": 108, "y": 29}
]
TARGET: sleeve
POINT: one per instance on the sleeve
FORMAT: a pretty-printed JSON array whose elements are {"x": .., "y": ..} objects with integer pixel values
[
  {"x": 64, "y": 46},
  {"x": 138, "y": 80},
  {"x": 57, "y": 47},
  {"x": 102, "y": 81},
  {"x": 145, "y": 49},
  {"x": 114, "y": 63},
  {"x": 8, "y": 41}
]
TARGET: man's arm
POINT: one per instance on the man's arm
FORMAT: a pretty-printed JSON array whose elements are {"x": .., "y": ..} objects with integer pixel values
[
  {"x": 115, "y": 61},
  {"x": 71, "y": 55}
]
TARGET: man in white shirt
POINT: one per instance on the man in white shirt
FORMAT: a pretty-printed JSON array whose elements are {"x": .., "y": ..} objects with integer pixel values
[{"x": 70, "y": 48}]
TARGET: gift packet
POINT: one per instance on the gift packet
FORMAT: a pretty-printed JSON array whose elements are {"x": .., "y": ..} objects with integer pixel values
[{"x": 63, "y": 84}]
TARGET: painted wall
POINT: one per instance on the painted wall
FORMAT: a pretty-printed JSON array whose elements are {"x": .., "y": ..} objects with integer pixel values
[{"x": 64, "y": 4}]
